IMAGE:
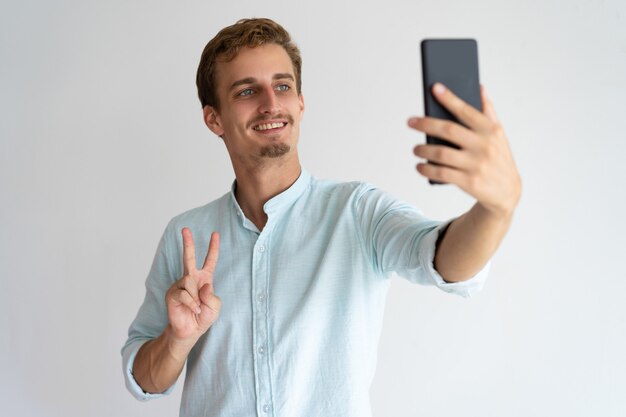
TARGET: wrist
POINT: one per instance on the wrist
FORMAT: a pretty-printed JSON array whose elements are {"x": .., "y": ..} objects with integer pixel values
[
  {"x": 177, "y": 347},
  {"x": 502, "y": 214},
  {"x": 502, "y": 205}
]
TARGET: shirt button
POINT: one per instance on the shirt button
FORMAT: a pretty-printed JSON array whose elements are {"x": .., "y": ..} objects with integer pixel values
[
  {"x": 261, "y": 350},
  {"x": 266, "y": 408},
  {"x": 261, "y": 298},
  {"x": 261, "y": 248}
]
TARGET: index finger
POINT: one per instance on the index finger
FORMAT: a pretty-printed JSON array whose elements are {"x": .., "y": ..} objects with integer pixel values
[
  {"x": 466, "y": 113},
  {"x": 189, "y": 251},
  {"x": 212, "y": 254}
]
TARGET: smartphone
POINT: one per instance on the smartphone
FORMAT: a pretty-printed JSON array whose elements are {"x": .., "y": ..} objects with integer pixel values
[{"x": 454, "y": 63}]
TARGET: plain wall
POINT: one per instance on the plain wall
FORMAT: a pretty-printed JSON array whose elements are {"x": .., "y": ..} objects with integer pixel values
[{"x": 102, "y": 142}]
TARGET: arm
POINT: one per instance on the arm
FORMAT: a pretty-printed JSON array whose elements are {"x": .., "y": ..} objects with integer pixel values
[
  {"x": 160, "y": 361},
  {"x": 483, "y": 167},
  {"x": 192, "y": 307},
  {"x": 468, "y": 243}
]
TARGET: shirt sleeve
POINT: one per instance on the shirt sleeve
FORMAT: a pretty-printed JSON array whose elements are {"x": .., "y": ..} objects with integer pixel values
[
  {"x": 400, "y": 239},
  {"x": 465, "y": 288},
  {"x": 151, "y": 318}
]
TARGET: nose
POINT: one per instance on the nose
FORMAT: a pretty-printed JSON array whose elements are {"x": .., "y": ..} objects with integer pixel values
[{"x": 269, "y": 102}]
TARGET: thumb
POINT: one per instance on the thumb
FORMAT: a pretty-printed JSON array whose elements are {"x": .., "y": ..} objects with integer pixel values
[{"x": 211, "y": 304}]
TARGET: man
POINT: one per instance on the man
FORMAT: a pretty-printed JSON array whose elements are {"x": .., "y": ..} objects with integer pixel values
[{"x": 287, "y": 322}]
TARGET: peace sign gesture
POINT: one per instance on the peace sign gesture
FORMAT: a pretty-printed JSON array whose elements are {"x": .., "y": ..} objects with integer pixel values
[{"x": 192, "y": 305}]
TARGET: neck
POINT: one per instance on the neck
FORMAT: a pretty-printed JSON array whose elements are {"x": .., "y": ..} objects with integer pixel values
[{"x": 256, "y": 185}]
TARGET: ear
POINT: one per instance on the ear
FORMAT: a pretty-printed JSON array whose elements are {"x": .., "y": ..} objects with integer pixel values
[
  {"x": 301, "y": 100},
  {"x": 213, "y": 120}
]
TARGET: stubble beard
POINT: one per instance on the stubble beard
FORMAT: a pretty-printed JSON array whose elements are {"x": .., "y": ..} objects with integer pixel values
[{"x": 276, "y": 150}]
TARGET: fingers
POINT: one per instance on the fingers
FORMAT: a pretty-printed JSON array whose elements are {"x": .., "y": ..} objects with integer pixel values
[
  {"x": 444, "y": 155},
  {"x": 444, "y": 129},
  {"x": 189, "y": 252},
  {"x": 209, "y": 299},
  {"x": 212, "y": 254},
  {"x": 194, "y": 278},
  {"x": 466, "y": 113},
  {"x": 211, "y": 305},
  {"x": 191, "y": 303},
  {"x": 488, "y": 109},
  {"x": 443, "y": 174},
  {"x": 478, "y": 124},
  {"x": 189, "y": 285},
  {"x": 183, "y": 297}
]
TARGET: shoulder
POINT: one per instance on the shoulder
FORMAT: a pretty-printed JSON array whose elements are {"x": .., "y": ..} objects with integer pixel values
[
  {"x": 346, "y": 190},
  {"x": 363, "y": 199},
  {"x": 202, "y": 216}
]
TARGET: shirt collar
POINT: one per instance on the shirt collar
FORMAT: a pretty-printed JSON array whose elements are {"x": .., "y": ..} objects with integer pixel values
[
  {"x": 283, "y": 200},
  {"x": 289, "y": 196}
]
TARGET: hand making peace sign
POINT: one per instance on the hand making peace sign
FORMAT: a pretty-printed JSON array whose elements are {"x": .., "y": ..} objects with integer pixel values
[{"x": 192, "y": 306}]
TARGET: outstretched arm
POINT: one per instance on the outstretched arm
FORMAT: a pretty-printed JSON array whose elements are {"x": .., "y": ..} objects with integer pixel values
[{"x": 483, "y": 167}]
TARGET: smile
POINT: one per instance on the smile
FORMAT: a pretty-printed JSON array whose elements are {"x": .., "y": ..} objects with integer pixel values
[{"x": 268, "y": 126}]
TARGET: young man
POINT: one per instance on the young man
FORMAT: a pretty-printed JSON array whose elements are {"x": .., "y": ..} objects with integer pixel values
[{"x": 287, "y": 322}]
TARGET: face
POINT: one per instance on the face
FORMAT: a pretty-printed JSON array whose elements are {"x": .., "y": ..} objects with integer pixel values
[{"x": 260, "y": 109}]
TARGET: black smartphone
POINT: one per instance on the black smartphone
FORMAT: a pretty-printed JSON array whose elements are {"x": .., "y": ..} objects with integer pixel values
[{"x": 454, "y": 63}]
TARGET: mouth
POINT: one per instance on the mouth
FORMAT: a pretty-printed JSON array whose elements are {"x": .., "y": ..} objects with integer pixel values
[{"x": 269, "y": 127}]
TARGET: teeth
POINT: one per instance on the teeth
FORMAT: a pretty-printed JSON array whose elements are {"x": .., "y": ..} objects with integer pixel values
[{"x": 267, "y": 126}]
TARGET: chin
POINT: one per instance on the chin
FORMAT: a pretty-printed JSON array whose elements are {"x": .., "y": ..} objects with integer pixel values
[{"x": 276, "y": 150}]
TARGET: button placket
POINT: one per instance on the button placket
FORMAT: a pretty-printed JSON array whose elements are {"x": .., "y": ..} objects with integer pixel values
[{"x": 260, "y": 317}]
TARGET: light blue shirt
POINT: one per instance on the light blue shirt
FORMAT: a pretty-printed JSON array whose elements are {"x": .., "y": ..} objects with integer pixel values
[{"x": 302, "y": 300}]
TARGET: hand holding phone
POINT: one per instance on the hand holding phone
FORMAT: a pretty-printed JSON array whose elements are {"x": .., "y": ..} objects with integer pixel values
[{"x": 482, "y": 164}]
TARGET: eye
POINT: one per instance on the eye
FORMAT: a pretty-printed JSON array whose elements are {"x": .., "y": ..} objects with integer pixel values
[
  {"x": 283, "y": 87},
  {"x": 246, "y": 92}
]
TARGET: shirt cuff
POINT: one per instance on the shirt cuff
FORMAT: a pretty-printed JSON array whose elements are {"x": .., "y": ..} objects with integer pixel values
[
  {"x": 465, "y": 288},
  {"x": 128, "y": 359}
]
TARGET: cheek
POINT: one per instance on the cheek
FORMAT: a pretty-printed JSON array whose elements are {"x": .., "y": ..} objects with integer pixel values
[
  {"x": 295, "y": 107},
  {"x": 242, "y": 113},
  {"x": 300, "y": 107},
  {"x": 235, "y": 118}
]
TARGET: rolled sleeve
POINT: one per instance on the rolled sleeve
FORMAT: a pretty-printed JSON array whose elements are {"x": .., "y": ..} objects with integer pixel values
[
  {"x": 400, "y": 239},
  {"x": 128, "y": 359},
  {"x": 151, "y": 318},
  {"x": 427, "y": 250}
]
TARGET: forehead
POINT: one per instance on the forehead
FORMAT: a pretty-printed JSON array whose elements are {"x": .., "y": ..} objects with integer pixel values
[{"x": 261, "y": 62}]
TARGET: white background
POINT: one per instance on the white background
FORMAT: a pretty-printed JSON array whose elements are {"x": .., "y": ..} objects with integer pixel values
[{"x": 102, "y": 142}]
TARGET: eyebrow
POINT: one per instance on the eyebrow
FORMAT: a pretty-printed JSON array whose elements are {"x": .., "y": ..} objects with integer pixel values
[{"x": 252, "y": 80}]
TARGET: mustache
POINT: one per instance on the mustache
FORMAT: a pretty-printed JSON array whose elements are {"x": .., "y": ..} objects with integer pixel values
[{"x": 263, "y": 118}]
